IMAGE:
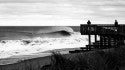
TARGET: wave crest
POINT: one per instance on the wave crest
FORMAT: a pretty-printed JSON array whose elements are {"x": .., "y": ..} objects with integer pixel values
[
  {"x": 28, "y": 33},
  {"x": 36, "y": 45}
]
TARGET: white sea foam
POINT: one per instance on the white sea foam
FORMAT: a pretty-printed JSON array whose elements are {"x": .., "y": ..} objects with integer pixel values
[{"x": 36, "y": 45}]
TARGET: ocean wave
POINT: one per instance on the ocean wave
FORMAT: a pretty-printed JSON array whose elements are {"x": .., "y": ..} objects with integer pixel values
[
  {"x": 11, "y": 48},
  {"x": 28, "y": 41},
  {"x": 18, "y": 33}
]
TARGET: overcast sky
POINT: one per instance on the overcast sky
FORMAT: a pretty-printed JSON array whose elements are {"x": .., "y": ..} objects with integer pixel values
[{"x": 61, "y": 12}]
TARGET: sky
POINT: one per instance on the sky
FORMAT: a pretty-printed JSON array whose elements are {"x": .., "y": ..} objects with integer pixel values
[{"x": 60, "y": 12}]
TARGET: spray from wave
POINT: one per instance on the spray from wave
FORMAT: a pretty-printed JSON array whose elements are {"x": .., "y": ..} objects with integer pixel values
[{"x": 29, "y": 42}]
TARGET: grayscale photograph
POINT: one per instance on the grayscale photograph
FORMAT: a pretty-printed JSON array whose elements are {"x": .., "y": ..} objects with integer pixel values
[{"x": 62, "y": 35}]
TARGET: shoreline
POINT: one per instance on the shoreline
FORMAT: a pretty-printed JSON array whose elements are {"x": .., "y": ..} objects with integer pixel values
[
  {"x": 16, "y": 59},
  {"x": 39, "y": 62}
]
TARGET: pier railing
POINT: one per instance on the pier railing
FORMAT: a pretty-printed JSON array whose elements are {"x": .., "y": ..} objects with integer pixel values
[{"x": 111, "y": 35}]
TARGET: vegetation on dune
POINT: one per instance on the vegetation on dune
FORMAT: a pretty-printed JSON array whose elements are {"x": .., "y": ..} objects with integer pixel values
[{"x": 95, "y": 60}]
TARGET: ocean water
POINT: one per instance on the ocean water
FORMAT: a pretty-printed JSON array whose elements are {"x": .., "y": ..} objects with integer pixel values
[{"x": 15, "y": 41}]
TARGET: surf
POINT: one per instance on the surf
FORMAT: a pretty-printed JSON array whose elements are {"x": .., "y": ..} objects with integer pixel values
[{"x": 17, "y": 33}]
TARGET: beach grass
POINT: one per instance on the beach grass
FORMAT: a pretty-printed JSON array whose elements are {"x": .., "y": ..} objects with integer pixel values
[{"x": 113, "y": 59}]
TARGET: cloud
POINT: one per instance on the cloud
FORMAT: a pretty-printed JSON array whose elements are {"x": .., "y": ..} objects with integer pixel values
[
  {"x": 62, "y": 10},
  {"x": 43, "y": 8}
]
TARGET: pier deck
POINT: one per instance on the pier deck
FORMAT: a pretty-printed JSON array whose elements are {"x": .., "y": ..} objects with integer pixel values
[{"x": 111, "y": 36}]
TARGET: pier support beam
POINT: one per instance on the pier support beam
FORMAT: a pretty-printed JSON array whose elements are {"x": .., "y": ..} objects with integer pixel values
[
  {"x": 89, "y": 35},
  {"x": 89, "y": 47},
  {"x": 95, "y": 38}
]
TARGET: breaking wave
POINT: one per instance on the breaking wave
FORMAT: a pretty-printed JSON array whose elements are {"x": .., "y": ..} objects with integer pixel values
[
  {"x": 18, "y": 33},
  {"x": 16, "y": 43}
]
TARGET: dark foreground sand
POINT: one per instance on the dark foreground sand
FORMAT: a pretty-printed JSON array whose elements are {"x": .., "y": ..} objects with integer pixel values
[{"x": 36, "y": 63}]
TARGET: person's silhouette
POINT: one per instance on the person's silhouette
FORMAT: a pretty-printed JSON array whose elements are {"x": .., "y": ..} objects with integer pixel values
[
  {"x": 88, "y": 22},
  {"x": 116, "y": 23}
]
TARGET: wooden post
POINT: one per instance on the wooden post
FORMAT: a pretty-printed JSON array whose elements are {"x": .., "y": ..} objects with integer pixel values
[
  {"x": 117, "y": 27},
  {"x": 89, "y": 35},
  {"x": 89, "y": 42},
  {"x": 95, "y": 38},
  {"x": 101, "y": 41}
]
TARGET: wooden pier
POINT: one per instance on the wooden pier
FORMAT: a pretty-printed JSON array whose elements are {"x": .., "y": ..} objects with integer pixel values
[{"x": 111, "y": 36}]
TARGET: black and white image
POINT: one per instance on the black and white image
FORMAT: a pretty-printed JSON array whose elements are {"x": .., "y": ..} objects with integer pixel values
[{"x": 62, "y": 35}]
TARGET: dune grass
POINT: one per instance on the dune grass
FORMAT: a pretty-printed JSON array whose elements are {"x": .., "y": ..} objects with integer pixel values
[{"x": 93, "y": 60}]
